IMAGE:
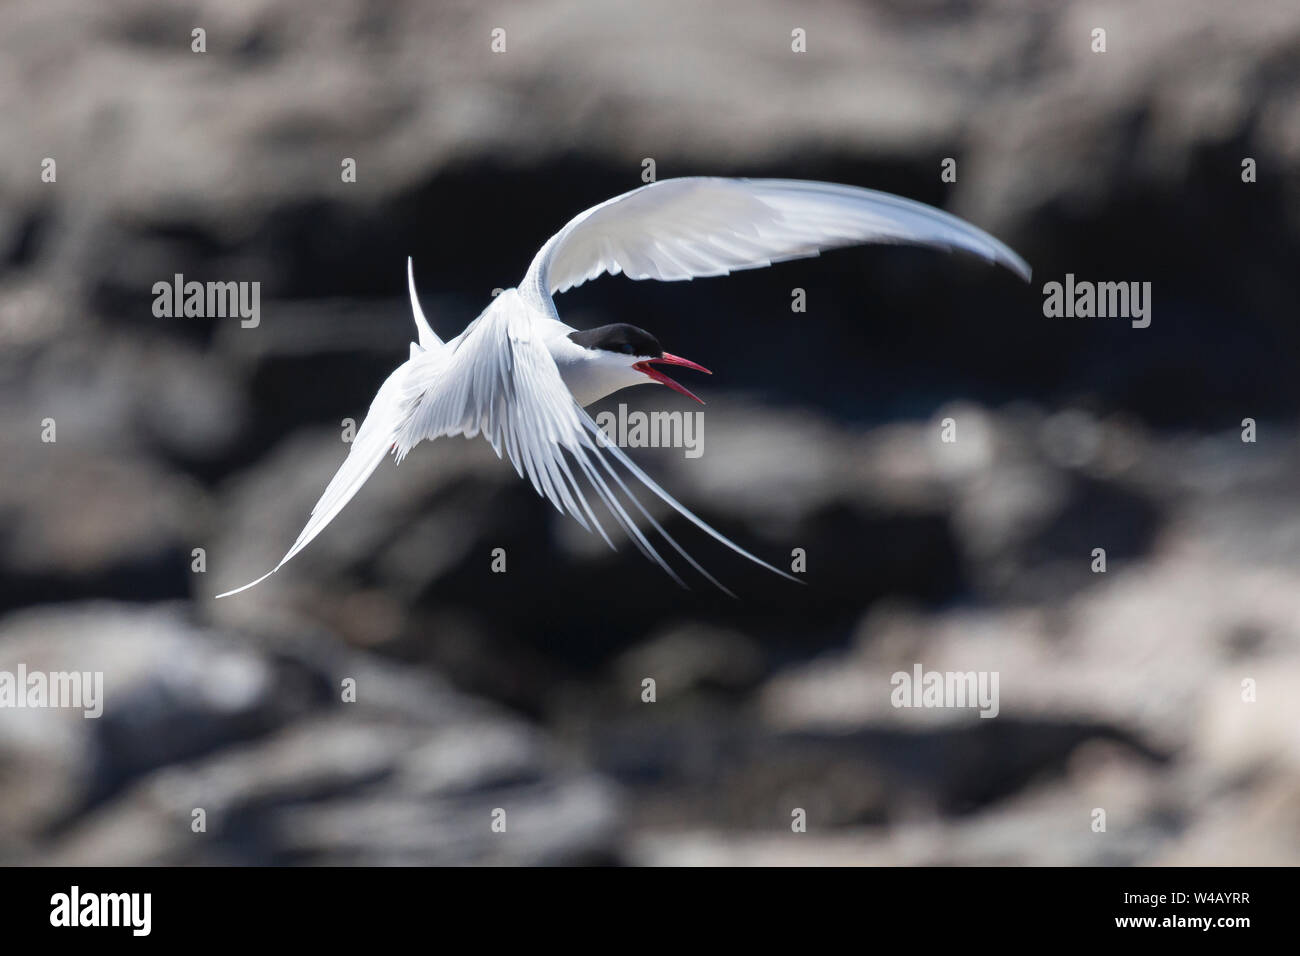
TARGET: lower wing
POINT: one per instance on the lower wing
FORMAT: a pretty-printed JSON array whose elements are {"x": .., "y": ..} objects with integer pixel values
[{"x": 374, "y": 439}]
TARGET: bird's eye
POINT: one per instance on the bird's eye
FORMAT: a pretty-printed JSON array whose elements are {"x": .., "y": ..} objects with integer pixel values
[{"x": 626, "y": 348}]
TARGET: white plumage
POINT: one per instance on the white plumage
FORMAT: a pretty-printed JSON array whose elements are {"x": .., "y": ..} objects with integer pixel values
[{"x": 516, "y": 377}]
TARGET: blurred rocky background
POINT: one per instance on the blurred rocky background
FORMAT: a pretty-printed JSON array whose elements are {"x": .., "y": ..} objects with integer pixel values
[{"x": 522, "y": 690}]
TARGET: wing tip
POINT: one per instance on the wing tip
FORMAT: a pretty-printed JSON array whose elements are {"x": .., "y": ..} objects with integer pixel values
[
  {"x": 1017, "y": 265},
  {"x": 251, "y": 584}
]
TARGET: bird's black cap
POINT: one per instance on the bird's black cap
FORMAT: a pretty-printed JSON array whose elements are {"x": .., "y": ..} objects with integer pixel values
[{"x": 622, "y": 338}]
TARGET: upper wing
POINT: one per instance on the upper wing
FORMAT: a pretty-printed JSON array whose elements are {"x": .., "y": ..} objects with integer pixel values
[
  {"x": 701, "y": 226},
  {"x": 501, "y": 381}
]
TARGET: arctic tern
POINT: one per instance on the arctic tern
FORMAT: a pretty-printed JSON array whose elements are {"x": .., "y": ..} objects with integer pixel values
[{"x": 521, "y": 377}]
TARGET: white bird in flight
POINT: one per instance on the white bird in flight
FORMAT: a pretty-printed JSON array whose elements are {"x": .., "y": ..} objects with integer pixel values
[{"x": 521, "y": 377}]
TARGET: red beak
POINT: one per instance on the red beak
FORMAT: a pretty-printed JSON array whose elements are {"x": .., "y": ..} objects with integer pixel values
[{"x": 663, "y": 379}]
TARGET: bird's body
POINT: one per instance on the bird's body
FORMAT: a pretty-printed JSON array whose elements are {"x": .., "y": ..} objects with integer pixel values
[{"x": 521, "y": 377}]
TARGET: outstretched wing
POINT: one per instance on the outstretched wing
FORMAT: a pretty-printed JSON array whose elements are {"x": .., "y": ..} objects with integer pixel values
[
  {"x": 374, "y": 439},
  {"x": 501, "y": 381},
  {"x": 700, "y": 226}
]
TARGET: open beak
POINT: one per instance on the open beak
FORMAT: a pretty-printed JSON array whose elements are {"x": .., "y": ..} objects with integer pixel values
[{"x": 663, "y": 379}]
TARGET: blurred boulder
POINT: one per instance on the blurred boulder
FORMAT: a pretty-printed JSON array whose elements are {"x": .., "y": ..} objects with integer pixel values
[{"x": 283, "y": 769}]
